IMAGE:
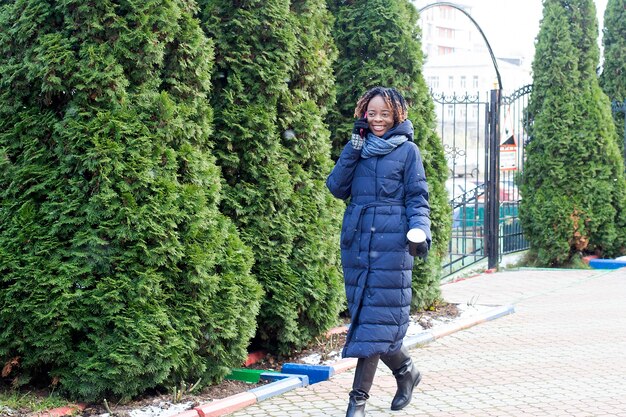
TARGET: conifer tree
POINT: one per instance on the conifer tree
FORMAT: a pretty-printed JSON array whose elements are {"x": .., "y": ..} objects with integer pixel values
[
  {"x": 613, "y": 77},
  {"x": 270, "y": 95},
  {"x": 572, "y": 182},
  {"x": 118, "y": 273},
  {"x": 378, "y": 43},
  {"x": 315, "y": 212}
]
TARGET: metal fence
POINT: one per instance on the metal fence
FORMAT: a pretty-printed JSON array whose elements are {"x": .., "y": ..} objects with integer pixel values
[{"x": 483, "y": 140}]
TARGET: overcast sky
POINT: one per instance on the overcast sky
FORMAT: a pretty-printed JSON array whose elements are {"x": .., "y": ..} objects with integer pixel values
[{"x": 511, "y": 26}]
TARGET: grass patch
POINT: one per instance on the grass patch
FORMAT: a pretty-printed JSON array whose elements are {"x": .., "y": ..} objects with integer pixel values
[
  {"x": 28, "y": 401},
  {"x": 530, "y": 261}
]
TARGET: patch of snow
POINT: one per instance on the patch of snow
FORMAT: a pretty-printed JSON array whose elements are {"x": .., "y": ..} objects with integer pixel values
[
  {"x": 6, "y": 411},
  {"x": 333, "y": 357},
  {"x": 312, "y": 359},
  {"x": 419, "y": 324},
  {"x": 165, "y": 409}
]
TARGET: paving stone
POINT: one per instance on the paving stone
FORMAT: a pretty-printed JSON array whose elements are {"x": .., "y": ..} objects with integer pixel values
[{"x": 562, "y": 353}]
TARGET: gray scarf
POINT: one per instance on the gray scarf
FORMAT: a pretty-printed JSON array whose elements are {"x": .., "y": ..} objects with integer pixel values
[{"x": 375, "y": 146}]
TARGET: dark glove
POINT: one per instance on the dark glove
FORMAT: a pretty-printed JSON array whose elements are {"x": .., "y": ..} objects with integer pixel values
[
  {"x": 417, "y": 243},
  {"x": 359, "y": 132},
  {"x": 419, "y": 249}
]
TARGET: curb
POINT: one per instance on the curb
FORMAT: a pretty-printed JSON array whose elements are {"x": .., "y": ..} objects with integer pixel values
[
  {"x": 68, "y": 410},
  {"x": 430, "y": 335},
  {"x": 607, "y": 264},
  {"x": 293, "y": 380}
]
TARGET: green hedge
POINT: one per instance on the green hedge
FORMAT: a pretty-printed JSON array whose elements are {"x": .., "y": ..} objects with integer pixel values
[
  {"x": 272, "y": 86},
  {"x": 117, "y": 271},
  {"x": 613, "y": 77},
  {"x": 573, "y": 183},
  {"x": 378, "y": 43}
]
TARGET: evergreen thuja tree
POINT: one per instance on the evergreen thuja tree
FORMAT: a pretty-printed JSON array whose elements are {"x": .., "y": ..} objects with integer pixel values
[
  {"x": 613, "y": 77},
  {"x": 572, "y": 181},
  {"x": 270, "y": 145},
  {"x": 117, "y": 271},
  {"x": 378, "y": 44},
  {"x": 315, "y": 212}
]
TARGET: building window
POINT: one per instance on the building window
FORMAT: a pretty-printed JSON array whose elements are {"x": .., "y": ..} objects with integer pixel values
[
  {"x": 450, "y": 110},
  {"x": 475, "y": 81},
  {"x": 446, "y": 12},
  {"x": 451, "y": 82},
  {"x": 433, "y": 82},
  {"x": 463, "y": 82}
]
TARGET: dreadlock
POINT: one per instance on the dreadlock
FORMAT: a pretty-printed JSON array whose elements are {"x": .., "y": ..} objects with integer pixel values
[{"x": 392, "y": 97}]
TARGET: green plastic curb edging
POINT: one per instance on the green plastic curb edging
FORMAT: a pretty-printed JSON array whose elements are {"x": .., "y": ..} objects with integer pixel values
[{"x": 252, "y": 376}]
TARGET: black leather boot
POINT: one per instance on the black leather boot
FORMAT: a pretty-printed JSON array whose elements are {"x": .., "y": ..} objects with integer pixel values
[
  {"x": 407, "y": 377},
  {"x": 356, "y": 406},
  {"x": 363, "y": 379}
]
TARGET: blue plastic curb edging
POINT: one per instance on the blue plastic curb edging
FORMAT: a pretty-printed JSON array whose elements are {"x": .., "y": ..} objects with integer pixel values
[
  {"x": 606, "y": 264},
  {"x": 316, "y": 373},
  {"x": 276, "y": 388}
]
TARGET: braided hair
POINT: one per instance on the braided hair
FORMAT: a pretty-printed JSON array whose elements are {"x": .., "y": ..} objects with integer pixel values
[{"x": 392, "y": 97}]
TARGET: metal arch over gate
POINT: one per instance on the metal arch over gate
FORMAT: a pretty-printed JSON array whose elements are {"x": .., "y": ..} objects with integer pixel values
[{"x": 483, "y": 138}]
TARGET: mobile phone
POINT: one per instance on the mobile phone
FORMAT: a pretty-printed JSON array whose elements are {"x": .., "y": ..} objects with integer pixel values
[{"x": 362, "y": 131}]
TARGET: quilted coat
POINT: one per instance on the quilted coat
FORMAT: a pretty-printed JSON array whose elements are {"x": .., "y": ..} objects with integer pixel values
[{"x": 388, "y": 196}]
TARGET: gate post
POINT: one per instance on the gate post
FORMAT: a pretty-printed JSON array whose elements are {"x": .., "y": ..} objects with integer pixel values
[{"x": 492, "y": 187}]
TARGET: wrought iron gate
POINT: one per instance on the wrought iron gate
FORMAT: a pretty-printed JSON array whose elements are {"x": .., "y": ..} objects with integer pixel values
[{"x": 483, "y": 139}]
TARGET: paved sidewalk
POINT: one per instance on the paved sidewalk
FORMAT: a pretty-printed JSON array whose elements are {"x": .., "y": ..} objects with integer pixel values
[{"x": 562, "y": 353}]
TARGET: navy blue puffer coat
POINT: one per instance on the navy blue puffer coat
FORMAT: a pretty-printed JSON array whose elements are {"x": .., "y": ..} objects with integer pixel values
[{"x": 388, "y": 196}]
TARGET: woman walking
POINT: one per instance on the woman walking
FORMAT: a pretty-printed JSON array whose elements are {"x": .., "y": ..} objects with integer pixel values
[{"x": 385, "y": 225}]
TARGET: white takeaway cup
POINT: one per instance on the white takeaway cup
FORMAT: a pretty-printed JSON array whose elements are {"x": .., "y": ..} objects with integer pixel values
[{"x": 416, "y": 235}]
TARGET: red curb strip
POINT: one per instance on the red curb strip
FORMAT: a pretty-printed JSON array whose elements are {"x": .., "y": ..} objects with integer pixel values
[
  {"x": 254, "y": 357},
  {"x": 63, "y": 411},
  {"x": 226, "y": 405},
  {"x": 343, "y": 365},
  {"x": 586, "y": 259},
  {"x": 337, "y": 330}
]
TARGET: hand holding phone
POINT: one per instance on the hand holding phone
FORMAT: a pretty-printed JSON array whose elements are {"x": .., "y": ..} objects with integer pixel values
[
  {"x": 361, "y": 126},
  {"x": 359, "y": 132}
]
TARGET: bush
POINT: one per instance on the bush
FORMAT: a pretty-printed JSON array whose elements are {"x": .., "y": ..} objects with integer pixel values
[
  {"x": 378, "y": 43},
  {"x": 573, "y": 183},
  {"x": 271, "y": 90},
  {"x": 613, "y": 77},
  {"x": 117, "y": 272}
]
